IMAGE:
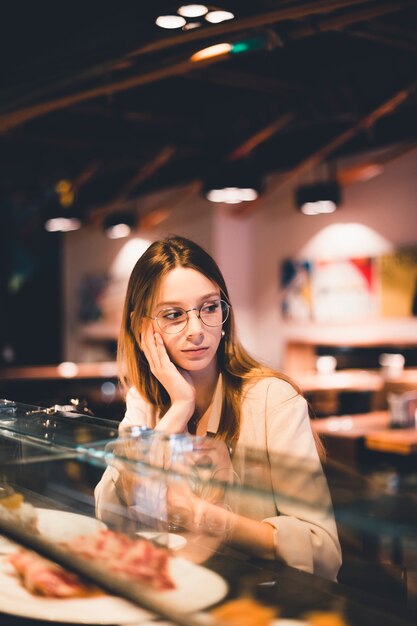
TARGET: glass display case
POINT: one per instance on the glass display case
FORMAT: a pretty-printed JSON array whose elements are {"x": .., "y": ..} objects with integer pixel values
[{"x": 156, "y": 538}]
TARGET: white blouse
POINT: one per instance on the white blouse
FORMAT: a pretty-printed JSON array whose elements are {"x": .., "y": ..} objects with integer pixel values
[{"x": 275, "y": 422}]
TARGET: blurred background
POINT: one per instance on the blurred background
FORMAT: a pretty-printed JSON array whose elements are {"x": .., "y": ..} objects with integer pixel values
[{"x": 281, "y": 136}]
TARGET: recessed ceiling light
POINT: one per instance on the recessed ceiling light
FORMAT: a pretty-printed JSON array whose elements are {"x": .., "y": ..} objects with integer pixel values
[
  {"x": 215, "y": 17},
  {"x": 192, "y": 10},
  {"x": 170, "y": 21}
]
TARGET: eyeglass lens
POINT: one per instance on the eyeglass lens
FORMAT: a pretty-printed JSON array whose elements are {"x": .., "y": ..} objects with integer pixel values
[{"x": 174, "y": 320}]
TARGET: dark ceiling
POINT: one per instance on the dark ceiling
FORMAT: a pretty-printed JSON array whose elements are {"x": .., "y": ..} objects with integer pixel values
[{"x": 96, "y": 93}]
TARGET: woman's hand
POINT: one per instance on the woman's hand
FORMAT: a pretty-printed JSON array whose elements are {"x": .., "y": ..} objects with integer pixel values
[{"x": 176, "y": 381}]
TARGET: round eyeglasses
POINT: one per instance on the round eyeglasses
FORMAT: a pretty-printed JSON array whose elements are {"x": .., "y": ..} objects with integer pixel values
[{"x": 175, "y": 319}]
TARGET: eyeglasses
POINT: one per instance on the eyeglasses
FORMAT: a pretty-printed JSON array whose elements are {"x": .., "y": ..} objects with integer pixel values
[{"x": 175, "y": 319}]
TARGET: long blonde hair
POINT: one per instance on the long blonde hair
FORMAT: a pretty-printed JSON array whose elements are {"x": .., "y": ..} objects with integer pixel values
[{"x": 235, "y": 364}]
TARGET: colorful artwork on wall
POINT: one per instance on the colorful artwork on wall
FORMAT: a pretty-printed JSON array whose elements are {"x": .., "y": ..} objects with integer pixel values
[{"x": 353, "y": 289}]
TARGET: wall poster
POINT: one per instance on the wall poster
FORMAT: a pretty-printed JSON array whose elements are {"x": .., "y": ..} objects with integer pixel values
[{"x": 352, "y": 289}]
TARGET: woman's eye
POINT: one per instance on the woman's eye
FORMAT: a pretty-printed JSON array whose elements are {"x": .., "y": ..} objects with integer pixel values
[
  {"x": 173, "y": 315},
  {"x": 210, "y": 307}
]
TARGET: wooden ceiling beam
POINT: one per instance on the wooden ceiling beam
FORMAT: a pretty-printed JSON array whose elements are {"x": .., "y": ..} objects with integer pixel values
[
  {"x": 249, "y": 145},
  {"x": 144, "y": 173},
  {"x": 16, "y": 118},
  {"x": 365, "y": 123}
]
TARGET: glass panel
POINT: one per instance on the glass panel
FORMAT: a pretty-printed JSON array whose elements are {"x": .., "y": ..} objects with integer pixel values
[
  {"x": 169, "y": 518},
  {"x": 54, "y": 426}
]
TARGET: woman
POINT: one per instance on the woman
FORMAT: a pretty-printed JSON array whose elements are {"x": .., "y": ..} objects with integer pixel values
[{"x": 185, "y": 370}]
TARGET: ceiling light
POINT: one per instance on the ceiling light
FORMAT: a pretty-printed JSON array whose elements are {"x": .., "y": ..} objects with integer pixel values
[
  {"x": 215, "y": 17},
  {"x": 212, "y": 51},
  {"x": 62, "y": 224},
  {"x": 233, "y": 184},
  {"x": 318, "y": 198},
  {"x": 170, "y": 21},
  {"x": 192, "y": 10},
  {"x": 119, "y": 225},
  {"x": 232, "y": 195}
]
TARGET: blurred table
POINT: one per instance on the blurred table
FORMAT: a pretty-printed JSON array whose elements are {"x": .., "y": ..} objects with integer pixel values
[
  {"x": 402, "y": 441},
  {"x": 344, "y": 435}
]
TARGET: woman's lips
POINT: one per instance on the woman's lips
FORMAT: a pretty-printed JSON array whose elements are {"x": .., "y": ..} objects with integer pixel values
[{"x": 195, "y": 352}]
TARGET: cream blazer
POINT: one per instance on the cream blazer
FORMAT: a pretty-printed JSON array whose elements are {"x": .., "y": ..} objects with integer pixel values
[{"x": 275, "y": 423}]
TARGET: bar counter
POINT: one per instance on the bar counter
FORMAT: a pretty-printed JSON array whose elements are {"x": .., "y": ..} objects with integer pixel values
[
  {"x": 294, "y": 594},
  {"x": 56, "y": 460}
]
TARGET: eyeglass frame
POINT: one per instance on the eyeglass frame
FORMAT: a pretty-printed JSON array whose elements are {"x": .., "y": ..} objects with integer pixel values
[{"x": 187, "y": 311}]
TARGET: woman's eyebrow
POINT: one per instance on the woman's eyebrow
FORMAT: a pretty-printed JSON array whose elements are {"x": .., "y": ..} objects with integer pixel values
[{"x": 179, "y": 304}]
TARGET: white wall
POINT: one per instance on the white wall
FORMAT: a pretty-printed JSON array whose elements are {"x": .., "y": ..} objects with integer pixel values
[{"x": 384, "y": 208}]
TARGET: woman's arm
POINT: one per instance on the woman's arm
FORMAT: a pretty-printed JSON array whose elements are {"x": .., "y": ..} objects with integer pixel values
[
  {"x": 177, "y": 383},
  {"x": 305, "y": 529}
]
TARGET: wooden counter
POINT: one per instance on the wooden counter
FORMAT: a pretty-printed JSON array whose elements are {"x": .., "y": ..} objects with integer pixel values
[{"x": 401, "y": 441}]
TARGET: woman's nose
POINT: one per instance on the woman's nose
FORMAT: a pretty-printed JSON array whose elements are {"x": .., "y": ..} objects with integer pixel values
[{"x": 194, "y": 323}]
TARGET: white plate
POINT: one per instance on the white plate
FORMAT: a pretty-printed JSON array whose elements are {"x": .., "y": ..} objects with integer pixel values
[
  {"x": 169, "y": 540},
  {"x": 196, "y": 589},
  {"x": 58, "y": 526}
]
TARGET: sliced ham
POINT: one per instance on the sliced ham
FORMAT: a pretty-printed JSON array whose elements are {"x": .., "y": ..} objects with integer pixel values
[
  {"x": 45, "y": 578},
  {"x": 135, "y": 559}
]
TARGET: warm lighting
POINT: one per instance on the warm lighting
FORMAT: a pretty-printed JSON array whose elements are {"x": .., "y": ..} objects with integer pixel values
[
  {"x": 118, "y": 231},
  {"x": 320, "y": 206},
  {"x": 344, "y": 241},
  {"x": 62, "y": 224},
  {"x": 233, "y": 183},
  {"x": 65, "y": 192},
  {"x": 318, "y": 198},
  {"x": 192, "y": 10},
  {"x": 170, "y": 21},
  {"x": 119, "y": 225},
  {"x": 392, "y": 364},
  {"x": 326, "y": 364},
  {"x": 212, "y": 51},
  {"x": 215, "y": 17},
  {"x": 232, "y": 195},
  {"x": 67, "y": 369},
  {"x": 127, "y": 257}
]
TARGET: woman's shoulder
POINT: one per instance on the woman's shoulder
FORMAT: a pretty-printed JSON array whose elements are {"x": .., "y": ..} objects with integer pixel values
[{"x": 271, "y": 386}]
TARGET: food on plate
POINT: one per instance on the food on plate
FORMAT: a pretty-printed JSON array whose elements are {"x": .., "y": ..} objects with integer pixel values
[
  {"x": 135, "y": 559},
  {"x": 45, "y": 578},
  {"x": 14, "y": 509},
  {"x": 244, "y": 612}
]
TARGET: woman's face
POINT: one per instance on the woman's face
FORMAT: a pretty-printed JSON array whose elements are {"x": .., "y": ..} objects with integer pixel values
[{"x": 193, "y": 348}]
